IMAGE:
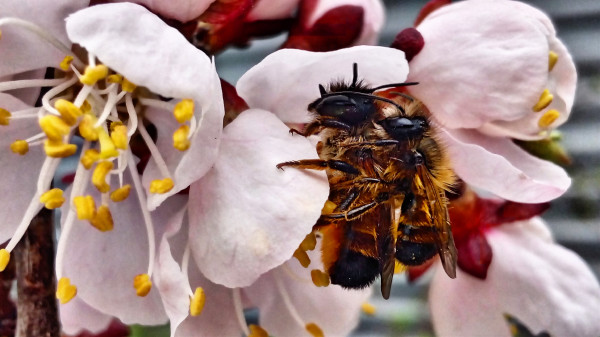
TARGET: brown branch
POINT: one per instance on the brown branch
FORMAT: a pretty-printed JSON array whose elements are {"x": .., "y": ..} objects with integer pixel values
[{"x": 37, "y": 311}]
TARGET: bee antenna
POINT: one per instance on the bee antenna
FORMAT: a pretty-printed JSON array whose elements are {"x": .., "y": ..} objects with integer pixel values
[
  {"x": 391, "y": 85},
  {"x": 322, "y": 90},
  {"x": 408, "y": 97},
  {"x": 354, "y": 74}
]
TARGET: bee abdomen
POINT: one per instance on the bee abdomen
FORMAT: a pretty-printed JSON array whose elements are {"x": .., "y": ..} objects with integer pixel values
[
  {"x": 354, "y": 270},
  {"x": 414, "y": 253}
]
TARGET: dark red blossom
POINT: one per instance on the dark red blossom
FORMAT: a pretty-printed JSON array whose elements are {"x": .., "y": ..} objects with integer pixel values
[
  {"x": 336, "y": 29},
  {"x": 410, "y": 41}
]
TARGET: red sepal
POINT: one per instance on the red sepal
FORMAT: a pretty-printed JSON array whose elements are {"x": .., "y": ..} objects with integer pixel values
[
  {"x": 474, "y": 255},
  {"x": 115, "y": 329},
  {"x": 336, "y": 29},
  {"x": 410, "y": 41},
  {"x": 414, "y": 272},
  {"x": 429, "y": 7},
  {"x": 234, "y": 104}
]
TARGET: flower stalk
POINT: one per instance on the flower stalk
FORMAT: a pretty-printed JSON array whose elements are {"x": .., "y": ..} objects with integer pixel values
[{"x": 34, "y": 259}]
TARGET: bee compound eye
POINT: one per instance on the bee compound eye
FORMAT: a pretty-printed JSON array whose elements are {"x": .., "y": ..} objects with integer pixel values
[
  {"x": 401, "y": 128},
  {"x": 346, "y": 108}
]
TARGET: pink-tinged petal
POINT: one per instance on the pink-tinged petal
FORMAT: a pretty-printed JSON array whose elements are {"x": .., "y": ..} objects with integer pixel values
[
  {"x": 462, "y": 69},
  {"x": 287, "y": 81},
  {"x": 546, "y": 286},
  {"x": 190, "y": 165},
  {"x": 246, "y": 216},
  {"x": 181, "y": 10},
  {"x": 23, "y": 50},
  {"x": 139, "y": 45},
  {"x": 102, "y": 265},
  {"x": 501, "y": 167},
  {"x": 334, "y": 309},
  {"x": 77, "y": 316},
  {"x": 170, "y": 280},
  {"x": 17, "y": 194},
  {"x": 374, "y": 17},
  {"x": 218, "y": 316},
  {"x": 272, "y": 10}
]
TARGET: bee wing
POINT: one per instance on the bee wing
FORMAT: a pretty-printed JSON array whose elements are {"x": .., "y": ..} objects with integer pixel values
[
  {"x": 386, "y": 242},
  {"x": 440, "y": 219}
]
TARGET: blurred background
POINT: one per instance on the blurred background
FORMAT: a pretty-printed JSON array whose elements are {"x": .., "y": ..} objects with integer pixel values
[{"x": 574, "y": 218}]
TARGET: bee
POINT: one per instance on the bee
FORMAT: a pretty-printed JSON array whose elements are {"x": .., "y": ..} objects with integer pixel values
[{"x": 388, "y": 174}]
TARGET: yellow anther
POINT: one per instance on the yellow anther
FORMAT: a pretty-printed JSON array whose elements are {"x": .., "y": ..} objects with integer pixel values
[
  {"x": 257, "y": 331},
  {"x": 107, "y": 146},
  {"x": 197, "y": 302},
  {"x": 127, "y": 86},
  {"x": 319, "y": 278},
  {"x": 4, "y": 116},
  {"x": 58, "y": 149},
  {"x": 19, "y": 146},
  {"x": 120, "y": 193},
  {"x": 184, "y": 110},
  {"x": 87, "y": 129},
  {"x": 54, "y": 127},
  {"x": 89, "y": 157},
  {"x": 552, "y": 59},
  {"x": 329, "y": 207},
  {"x": 91, "y": 75},
  {"x": 53, "y": 198},
  {"x": 161, "y": 186},
  {"x": 368, "y": 308},
  {"x": 99, "y": 175},
  {"x": 314, "y": 330},
  {"x": 4, "y": 259},
  {"x": 548, "y": 118},
  {"x": 85, "y": 207},
  {"x": 68, "y": 111},
  {"x": 65, "y": 291},
  {"x": 119, "y": 137},
  {"x": 142, "y": 284},
  {"x": 103, "y": 220},
  {"x": 180, "y": 138},
  {"x": 114, "y": 78},
  {"x": 544, "y": 101},
  {"x": 302, "y": 257},
  {"x": 309, "y": 242},
  {"x": 65, "y": 64}
]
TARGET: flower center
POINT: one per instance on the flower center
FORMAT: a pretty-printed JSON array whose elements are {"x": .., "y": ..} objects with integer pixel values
[{"x": 94, "y": 111}]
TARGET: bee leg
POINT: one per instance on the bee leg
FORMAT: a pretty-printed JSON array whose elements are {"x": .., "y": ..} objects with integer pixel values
[
  {"x": 360, "y": 210},
  {"x": 316, "y": 127},
  {"x": 319, "y": 164},
  {"x": 381, "y": 142}
]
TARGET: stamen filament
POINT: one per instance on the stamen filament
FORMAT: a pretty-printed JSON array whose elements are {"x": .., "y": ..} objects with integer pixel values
[
  {"x": 239, "y": 310},
  {"x": 44, "y": 34},
  {"x": 33, "y": 138},
  {"x": 132, "y": 124},
  {"x": 286, "y": 300},
  {"x": 185, "y": 262},
  {"x": 137, "y": 183},
  {"x": 55, "y": 91},
  {"x": 156, "y": 103},
  {"x": 154, "y": 152},
  {"x": 21, "y": 84}
]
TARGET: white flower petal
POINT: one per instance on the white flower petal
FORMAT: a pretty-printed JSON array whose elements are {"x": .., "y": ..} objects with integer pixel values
[
  {"x": 286, "y": 81},
  {"x": 545, "y": 286},
  {"x": 102, "y": 265},
  {"x": 190, "y": 165},
  {"x": 501, "y": 167},
  {"x": 247, "y": 216},
  {"x": 17, "y": 193},
  {"x": 77, "y": 316},
  {"x": 334, "y": 309},
  {"x": 138, "y": 44},
  {"x": 482, "y": 61},
  {"x": 22, "y": 50}
]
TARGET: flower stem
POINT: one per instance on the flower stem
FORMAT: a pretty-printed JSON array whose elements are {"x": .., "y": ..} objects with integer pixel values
[{"x": 34, "y": 257}]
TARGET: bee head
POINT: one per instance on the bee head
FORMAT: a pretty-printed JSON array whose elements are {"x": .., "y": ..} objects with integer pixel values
[
  {"x": 405, "y": 128},
  {"x": 352, "y": 109}
]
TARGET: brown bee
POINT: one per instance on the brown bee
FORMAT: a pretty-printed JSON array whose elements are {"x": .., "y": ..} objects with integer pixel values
[{"x": 387, "y": 174}]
